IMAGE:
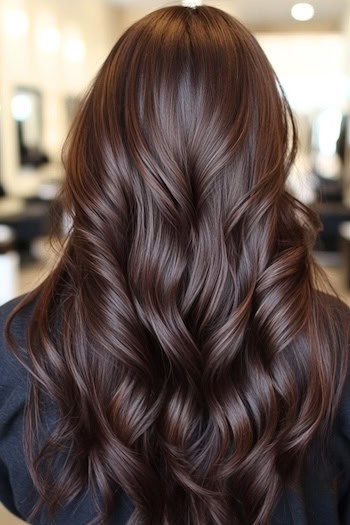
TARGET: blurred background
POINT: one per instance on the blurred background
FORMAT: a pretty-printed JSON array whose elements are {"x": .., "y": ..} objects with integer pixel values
[{"x": 50, "y": 51}]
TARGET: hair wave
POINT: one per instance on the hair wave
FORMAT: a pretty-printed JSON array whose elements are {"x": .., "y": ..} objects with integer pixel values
[{"x": 181, "y": 335}]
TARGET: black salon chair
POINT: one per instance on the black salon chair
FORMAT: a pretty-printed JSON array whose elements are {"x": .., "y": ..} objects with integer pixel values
[{"x": 29, "y": 219}]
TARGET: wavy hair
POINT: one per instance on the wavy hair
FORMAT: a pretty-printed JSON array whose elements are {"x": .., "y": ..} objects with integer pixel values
[{"x": 181, "y": 335}]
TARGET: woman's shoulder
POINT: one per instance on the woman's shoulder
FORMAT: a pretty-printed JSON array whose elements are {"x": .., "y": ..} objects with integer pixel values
[
  {"x": 21, "y": 318},
  {"x": 337, "y": 310},
  {"x": 12, "y": 372}
]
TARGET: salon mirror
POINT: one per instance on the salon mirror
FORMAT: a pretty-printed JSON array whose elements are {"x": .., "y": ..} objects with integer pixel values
[{"x": 26, "y": 108}]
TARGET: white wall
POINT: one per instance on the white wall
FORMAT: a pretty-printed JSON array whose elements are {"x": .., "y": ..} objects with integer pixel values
[
  {"x": 310, "y": 66},
  {"x": 56, "y": 46},
  {"x": 135, "y": 9},
  {"x": 36, "y": 35}
]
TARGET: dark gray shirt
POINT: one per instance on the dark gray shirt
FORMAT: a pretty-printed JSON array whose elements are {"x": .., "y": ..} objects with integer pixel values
[{"x": 323, "y": 497}]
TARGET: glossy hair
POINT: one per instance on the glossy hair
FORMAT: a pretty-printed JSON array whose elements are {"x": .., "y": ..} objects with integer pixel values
[{"x": 181, "y": 335}]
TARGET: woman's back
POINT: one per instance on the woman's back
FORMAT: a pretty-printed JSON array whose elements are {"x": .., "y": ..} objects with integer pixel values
[
  {"x": 322, "y": 498},
  {"x": 179, "y": 353}
]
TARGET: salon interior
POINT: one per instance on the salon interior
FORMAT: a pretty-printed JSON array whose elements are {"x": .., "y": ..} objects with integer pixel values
[{"x": 50, "y": 51}]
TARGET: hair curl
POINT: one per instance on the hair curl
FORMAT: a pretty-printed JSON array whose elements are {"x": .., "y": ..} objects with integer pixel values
[{"x": 193, "y": 360}]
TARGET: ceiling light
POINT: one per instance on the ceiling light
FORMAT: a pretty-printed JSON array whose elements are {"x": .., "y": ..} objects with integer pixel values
[
  {"x": 73, "y": 48},
  {"x": 48, "y": 40},
  {"x": 16, "y": 22},
  {"x": 191, "y": 3},
  {"x": 302, "y": 12}
]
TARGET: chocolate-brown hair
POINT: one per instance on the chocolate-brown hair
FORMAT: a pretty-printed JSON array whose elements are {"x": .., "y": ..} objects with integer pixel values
[{"x": 181, "y": 335}]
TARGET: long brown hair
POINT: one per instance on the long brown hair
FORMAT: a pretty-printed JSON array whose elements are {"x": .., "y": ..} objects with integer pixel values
[{"x": 181, "y": 335}]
